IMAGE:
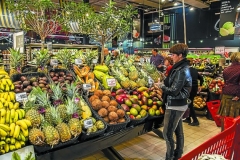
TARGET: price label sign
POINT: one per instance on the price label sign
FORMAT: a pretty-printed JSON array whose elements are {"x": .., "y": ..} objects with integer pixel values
[
  {"x": 88, "y": 123},
  {"x": 141, "y": 60},
  {"x": 78, "y": 61},
  {"x": 53, "y": 62},
  {"x": 20, "y": 97},
  {"x": 111, "y": 82},
  {"x": 112, "y": 61},
  {"x": 94, "y": 61},
  {"x": 220, "y": 50},
  {"x": 87, "y": 87}
]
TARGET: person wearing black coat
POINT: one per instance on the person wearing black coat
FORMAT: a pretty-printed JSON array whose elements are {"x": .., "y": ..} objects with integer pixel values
[{"x": 195, "y": 89}]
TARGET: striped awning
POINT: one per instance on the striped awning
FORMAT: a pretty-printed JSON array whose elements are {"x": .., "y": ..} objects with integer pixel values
[
  {"x": 7, "y": 19},
  {"x": 74, "y": 28}
]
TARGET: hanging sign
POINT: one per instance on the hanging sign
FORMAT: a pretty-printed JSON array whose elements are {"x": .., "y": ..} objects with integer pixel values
[{"x": 227, "y": 19}]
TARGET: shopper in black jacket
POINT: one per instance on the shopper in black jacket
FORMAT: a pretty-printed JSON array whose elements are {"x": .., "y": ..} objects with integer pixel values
[{"x": 195, "y": 77}]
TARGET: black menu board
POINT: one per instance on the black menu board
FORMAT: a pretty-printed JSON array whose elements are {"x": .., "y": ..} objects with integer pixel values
[{"x": 227, "y": 19}]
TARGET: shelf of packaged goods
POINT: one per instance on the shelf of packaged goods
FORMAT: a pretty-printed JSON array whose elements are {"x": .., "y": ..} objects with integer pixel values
[{"x": 104, "y": 144}]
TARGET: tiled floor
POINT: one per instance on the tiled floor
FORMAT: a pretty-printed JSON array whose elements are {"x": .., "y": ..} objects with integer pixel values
[{"x": 150, "y": 147}]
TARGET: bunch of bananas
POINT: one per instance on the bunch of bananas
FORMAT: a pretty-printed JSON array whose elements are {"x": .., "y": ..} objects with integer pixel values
[
  {"x": 6, "y": 85},
  {"x": 13, "y": 126}
]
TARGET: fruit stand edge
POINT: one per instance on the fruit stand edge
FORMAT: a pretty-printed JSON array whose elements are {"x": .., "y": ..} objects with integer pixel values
[{"x": 86, "y": 148}]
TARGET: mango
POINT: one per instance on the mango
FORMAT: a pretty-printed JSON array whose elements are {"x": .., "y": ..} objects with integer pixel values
[
  {"x": 151, "y": 112},
  {"x": 143, "y": 113},
  {"x": 133, "y": 111}
]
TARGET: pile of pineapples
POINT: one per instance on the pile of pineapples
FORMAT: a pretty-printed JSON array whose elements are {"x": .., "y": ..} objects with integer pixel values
[
  {"x": 130, "y": 76},
  {"x": 57, "y": 120}
]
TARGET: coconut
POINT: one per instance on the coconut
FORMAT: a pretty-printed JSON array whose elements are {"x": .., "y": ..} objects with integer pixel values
[
  {"x": 113, "y": 116},
  {"x": 106, "y": 119},
  {"x": 105, "y": 98},
  {"x": 105, "y": 104},
  {"x": 113, "y": 103},
  {"x": 96, "y": 104},
  {"x": 103, "y": 112},
  {"x": 92, "y": 98},
  {"x": 107, "y": 92},
  {"x": 120, "y": 113},
  {"x": 112, "y": 109},
  {"x": 98, "y": 93}
]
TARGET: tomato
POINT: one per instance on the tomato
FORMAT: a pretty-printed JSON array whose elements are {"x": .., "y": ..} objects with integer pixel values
[
  {"x": 213, "y": 81},
  {"x": 219, "y": 84}
]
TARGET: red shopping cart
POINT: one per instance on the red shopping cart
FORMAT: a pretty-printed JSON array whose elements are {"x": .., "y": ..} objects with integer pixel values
[
  {"x": 213, "y": 107},
  {"x": 226, "y": 143}
]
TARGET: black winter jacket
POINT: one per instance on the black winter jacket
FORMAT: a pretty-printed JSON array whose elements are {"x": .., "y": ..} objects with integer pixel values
[{"x": 177, "y": 86}]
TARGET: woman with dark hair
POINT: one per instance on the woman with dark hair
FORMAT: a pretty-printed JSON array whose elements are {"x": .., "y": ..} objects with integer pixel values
[
  {"x": 177, "y": 87},
  {"x": 168, "y": 62},
  {"x": 195, "y": 77}
]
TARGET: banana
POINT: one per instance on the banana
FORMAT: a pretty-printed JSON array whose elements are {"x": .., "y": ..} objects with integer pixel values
[
  {"x": 8, "y": 98},
  {"x": 2, "y": 120},
  {"x": 5, "y": 96},
  {"x": 2, "y": 86},
  {"x": 10, "y": 105},
  {"x": 3, "y": 133},
  {"x": 3, "y": 138},
  {"x": 5, "y": 104},
  {"x": 12, "y": 114},
  {"x": 18, "y": 145},
  {"x": 8, "y": 140},
  {"x": 19, "y": 114},
  {"x": 7, "y": 89},
  {"x": 16, "y": 131},
  {"x": 25, "y": 132},
  {"x": 2, "y": 100},
  {"x": 12, "y": 87},
  {"x": 16, "y": 105},
  {"x": 22, "y": 124},
  {"x": 22, "y": 137},
  {"x": 12, "y": 128},
  {"x": 12, "y": 96},
  {"x": 1, "y": 105},
  {"x": 12, "y": 147},
  {"x": 13, "y": 141},
  {"x": 19, "y": 137},
  {"x": 10, "y": 121},
  {"x": 4, "y": 82},
  {"x": 5, "y": 127},
  {"x": 23, "y": 112},
  {"x": 8, "y": 116},
  {"x": 28, "y": 123},
  {"x": 2, "y": 151},
  {"x": 15, "y": 119},
  {"x": 22, "y": 143},
  {"x": 3, "y": 112},
  {"x": 2, "y": 143},
  {"x": 9, "y": 82},
  {"x": 6, "y": 148}
]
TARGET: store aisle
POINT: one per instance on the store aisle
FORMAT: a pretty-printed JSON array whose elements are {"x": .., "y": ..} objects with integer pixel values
[{"x": 150, "y": 147}]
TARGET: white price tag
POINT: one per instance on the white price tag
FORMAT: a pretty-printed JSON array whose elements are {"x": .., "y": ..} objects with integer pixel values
[
  {"x": 141, "y": 60},
  {"x": 78, "y": 61},
  {"x": 53, "y": 62},
  {"x": 220, "y": 50},
  {"x": 20, "y": 97},
  {"x": 94, "y": 61},
  {"x": 112, "y": 61},
  {"x": 88, "y": 123},
  {"x": 87, "y": 87},
  {"x": 150, "y": 81},
  {"x": 111, "y": 82}
]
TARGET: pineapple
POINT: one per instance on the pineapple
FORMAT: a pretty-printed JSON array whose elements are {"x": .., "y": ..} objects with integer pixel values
[
  {"x": 41, "y": 59},
  {"x": 125, "y": 83},
  {"x": 42, "y": 100},
  {"x": 31, "y": 110},
  {"x": 133, "y": 73},
  {"x": 16, "y": 59},
  {"x": 74, "y": 123},
  {"x": 152, "y": 71},
  {"x": 36, "y": 137},
  {"x": 90, "y": 55},
  {"x": 34, "y": 117},
  {"x": 72, "y": 90},
  {"x": 51, "y": 134},
  {"x": 62, "y": 128},
  {"x": 57, "y": 95},
  {"x": 133, "y": 84},
  {"x": 65, "y": 57}
]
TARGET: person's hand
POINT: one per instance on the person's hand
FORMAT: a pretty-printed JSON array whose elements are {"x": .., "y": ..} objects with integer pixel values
[
  {"x": 236, "y": 98},
  {"x": 199, "y": 89}
]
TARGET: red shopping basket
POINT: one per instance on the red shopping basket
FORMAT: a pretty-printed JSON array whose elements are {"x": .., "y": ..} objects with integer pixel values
[
  {"x": 226, "y": 143},
  {"x": 213, "y": 107}
]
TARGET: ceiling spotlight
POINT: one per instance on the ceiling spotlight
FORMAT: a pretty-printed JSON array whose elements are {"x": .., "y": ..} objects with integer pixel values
[
  {"x": 191, "y": 8},
  {"x": 175, "y": 3},
  {"x": 163, "y": 0}
]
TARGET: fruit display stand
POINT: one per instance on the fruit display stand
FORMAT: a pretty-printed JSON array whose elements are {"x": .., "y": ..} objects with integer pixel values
[{"x": 104, "y": 143}]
